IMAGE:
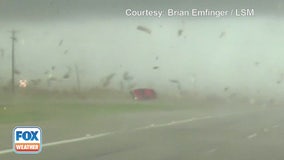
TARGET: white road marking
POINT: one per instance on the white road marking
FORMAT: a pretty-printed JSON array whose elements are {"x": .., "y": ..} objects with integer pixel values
[
  {"x": 211, "y": 151},
  {"x": 77, "y": 139},
  {"x": 65, "y": 141},
  {"x": 252, "y": 136},
  {"x": 6, "y": 151},
  {"x": 88, "y": 136},
  {"x": 172, "y": 123},
  {"x": 204, "y": 117},
  {"x": 265, "y": 130}
]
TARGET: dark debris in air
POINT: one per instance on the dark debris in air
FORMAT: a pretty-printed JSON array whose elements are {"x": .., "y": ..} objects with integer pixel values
[
  {"x": 156, "y": 67},
  {"x": 35, "y": 82},
  {"x": 2, "y": 53},
  {"x": 60, "y": 42},
  {"x": 174, "y": 81},
  {"x": 66, "y": 76},
  {"x": 226, "y": 89},
  {"x": 180, "y": 31},
  {"x": 68, "y": 73},
  {"x": 16, "y": 71},
  {"x": 127, "y": 77},
  {"x": 66, "y": 51},
  {"x": 222, "y": 34},
  {"x": 177, "y": 83},
  {"x": 108, "y": 79},
  {"x": 144, "y": 29}
]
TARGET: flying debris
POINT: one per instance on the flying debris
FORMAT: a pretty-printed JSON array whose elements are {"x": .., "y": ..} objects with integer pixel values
[
  {"x": 52, "y": 68},
  {"x": 157, "y": 58},
  {"x": 60, "y": 42},
  {"x": 35, "y": 82},
  {"x": 222, "y": 34},
  {"x": 174, "y": 81},
  {"x": 50, "y": 77},
  {"x": 226, "y": 89},
  {"x": 107, "y": 80},
  {"x": 126, "y": 76},
  {"x": 177, "y": 84},
  {"x": 280, "y": 79},
  {"x": 156, "y": 67},
  {"x": 67, "y": 74},
  {"x": 16, "y": 71},
  {"x": 180, "y": 31},
  {"x": 66, "y": 51},
  {"x": 144, "y": 29},
  {"x": 121, "y": 86},
  {"x": 2, "y": 53}
]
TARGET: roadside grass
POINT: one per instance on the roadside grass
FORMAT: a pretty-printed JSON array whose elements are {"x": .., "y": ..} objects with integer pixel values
[
  {"x": 39, "y": 108},
  {"x": 43, "y": 106}
]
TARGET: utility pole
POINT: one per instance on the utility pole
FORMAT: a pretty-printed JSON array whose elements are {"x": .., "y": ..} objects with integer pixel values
[
  {"x": 13, "y": 37},
  {"x": 77, "y": 78}
]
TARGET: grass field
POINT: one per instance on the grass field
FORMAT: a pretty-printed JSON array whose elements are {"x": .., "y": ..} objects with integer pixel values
[
  {"x": 28, "y": 106},
  {"x": 21, "y": 108},
  {"x": 65, "y": 115},
  {"x": 44, "y": 111}
]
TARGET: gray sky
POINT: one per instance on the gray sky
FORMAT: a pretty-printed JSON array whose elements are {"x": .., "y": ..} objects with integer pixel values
[
  {"x": 235, "y": 47},
  {"x": 41, "y": 10}
]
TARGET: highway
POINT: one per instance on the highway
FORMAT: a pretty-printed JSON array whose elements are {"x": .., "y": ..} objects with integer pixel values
[{"x": 228, "y": 132}]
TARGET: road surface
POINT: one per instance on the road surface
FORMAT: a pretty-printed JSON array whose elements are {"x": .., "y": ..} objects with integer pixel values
[{"x": 224, "y": 133}]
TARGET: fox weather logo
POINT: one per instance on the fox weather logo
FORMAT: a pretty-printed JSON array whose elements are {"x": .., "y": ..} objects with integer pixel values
[{"x": 27, "y": 140}]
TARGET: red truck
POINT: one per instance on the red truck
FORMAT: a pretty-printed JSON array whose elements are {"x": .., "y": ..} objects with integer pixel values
[{"x": 143, "y": 94}]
